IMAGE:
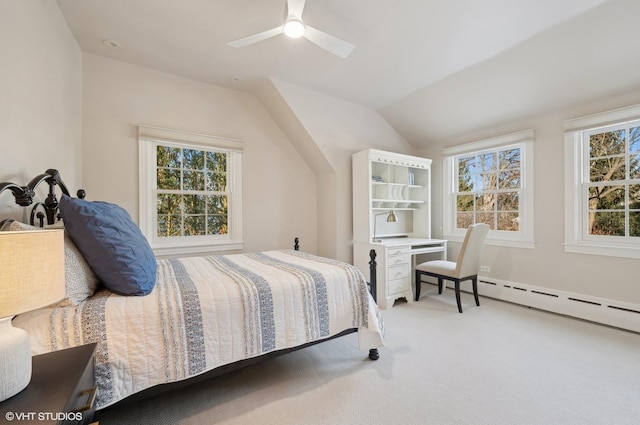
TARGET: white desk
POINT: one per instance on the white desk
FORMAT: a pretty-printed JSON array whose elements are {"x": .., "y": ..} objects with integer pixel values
[
  {"x": 396, "y": 258},
  {"x": 418, "y": 245}
]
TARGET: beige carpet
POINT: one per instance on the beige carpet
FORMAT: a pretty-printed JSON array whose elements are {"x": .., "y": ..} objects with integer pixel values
[{"x": 498, "y": 364}]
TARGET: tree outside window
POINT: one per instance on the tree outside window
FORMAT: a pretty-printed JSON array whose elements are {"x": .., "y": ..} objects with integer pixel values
[
  {"x": 192, "y": 198},
  {"x": 489, "y": 189},
  {"x": 613, "y": 185}
]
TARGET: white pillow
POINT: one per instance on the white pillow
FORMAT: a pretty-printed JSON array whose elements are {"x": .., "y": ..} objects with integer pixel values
[{"x": 80, "y": 280}]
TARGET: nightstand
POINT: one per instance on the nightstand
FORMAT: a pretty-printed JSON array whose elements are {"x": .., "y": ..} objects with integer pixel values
[{"x": 61, "y": 391}]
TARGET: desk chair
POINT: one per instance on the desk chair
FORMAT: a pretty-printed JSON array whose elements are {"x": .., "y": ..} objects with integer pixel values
[{"x": 466, "y": 268}]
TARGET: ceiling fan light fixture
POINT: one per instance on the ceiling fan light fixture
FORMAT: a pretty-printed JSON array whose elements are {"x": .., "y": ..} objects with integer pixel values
[{"x": 293, "y": 28}]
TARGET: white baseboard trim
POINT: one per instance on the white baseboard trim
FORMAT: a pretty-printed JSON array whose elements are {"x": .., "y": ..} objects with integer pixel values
[{"x": 600, "y": 310}]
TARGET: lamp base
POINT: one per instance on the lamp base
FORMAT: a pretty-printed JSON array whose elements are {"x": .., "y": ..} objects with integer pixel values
[{"x": 15, "y": 359}]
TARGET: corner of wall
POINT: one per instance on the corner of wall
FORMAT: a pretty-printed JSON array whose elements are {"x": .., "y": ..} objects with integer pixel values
[
  {"x": 281, "y": 112},
  {"x": 273, "y": 100}
]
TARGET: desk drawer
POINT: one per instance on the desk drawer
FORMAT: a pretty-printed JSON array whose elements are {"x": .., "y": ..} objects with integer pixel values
[
  {"x": 397, "y": 286},
  {"x": 397, "y": 260},
  {"x": 398, "y": 272},
  {"x": 392, "y": 252}
]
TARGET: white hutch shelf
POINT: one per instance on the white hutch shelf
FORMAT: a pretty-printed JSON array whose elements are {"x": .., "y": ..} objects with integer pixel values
[{"x": 385, "y": 182}]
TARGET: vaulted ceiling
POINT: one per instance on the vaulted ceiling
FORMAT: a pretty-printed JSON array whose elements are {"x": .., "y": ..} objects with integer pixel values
[{"x": 433, "y": 68}]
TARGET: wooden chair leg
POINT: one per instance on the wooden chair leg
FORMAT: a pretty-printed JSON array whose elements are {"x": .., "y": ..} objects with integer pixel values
[
  {"x": 458, "y": 295},
  {"x": 475, "y": 290},
  {"x": 418, "y": 285},
  {"x": 439, "y": 285}
]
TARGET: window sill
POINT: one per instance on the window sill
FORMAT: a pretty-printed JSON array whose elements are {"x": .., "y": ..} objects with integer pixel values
[
  {"x": 509, "y": 243},
  {"x": 603, "y": 250},
  {"x": 172, "y": 251}
]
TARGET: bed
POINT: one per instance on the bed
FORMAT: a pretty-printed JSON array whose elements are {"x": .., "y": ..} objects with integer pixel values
[{"x": 202, "y": 316}]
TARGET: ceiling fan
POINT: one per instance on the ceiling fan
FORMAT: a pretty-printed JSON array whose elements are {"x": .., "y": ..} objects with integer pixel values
[{"x": 294, "y": 27}]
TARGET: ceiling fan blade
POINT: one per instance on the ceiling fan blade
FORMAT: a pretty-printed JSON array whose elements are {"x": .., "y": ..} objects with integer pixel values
[
  {"x": 295, "y": 8},
  {"x": 328, "y": 42},
  {"x": 241, "y": 42}
]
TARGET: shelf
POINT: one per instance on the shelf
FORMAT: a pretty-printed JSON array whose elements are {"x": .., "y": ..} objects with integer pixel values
[
  {"x": 396, "y": 204},
  {"x": 380, "y": 238},
  {"x": 388, "y": 181},
  {"x": 410, "y": 201},
  {"x": 410, "y": 186}
]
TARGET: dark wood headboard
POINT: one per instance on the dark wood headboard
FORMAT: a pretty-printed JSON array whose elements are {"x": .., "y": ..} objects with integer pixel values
[{"x": 25, "y": 195}]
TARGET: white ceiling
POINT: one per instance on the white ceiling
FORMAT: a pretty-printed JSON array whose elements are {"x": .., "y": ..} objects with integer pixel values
[{"x": 424, "y": 64}]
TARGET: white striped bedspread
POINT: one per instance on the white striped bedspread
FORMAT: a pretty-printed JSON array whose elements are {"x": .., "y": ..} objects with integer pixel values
[{"x": 209, "y": 311}]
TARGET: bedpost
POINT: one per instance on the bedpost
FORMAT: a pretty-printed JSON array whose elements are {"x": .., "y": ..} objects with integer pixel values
[
  {"x": 25, "y": 196},
  {"x": 373, "y": 283},
  {"x": 296, "y": 244}
]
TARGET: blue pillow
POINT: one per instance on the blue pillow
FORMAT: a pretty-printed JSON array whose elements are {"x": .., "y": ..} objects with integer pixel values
[{"x": 113, "y": 245}]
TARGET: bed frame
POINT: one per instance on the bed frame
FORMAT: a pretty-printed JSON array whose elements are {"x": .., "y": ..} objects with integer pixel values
[{"x": 25, "y": 195}]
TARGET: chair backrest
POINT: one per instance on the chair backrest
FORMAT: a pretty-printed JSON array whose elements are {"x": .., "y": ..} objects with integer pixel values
[{"x": 469, "y": 257}]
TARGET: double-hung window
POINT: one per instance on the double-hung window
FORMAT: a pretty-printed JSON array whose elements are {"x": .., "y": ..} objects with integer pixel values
[
  {"x": 602, "y": 184},
  {"x": 490, "y": 181},
  {"x": 190, "y": 192}
]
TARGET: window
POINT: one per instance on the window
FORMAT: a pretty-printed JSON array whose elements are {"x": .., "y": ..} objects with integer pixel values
[
  {"x": 491, "y": 182},
  {"x": 602, "y": 157},
  {"x": 190, "y": 197}
]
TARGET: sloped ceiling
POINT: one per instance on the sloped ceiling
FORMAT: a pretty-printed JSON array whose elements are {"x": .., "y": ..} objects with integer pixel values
[
  {"x": 433, "y": 68},
  {"x": 592, "y": 56}
]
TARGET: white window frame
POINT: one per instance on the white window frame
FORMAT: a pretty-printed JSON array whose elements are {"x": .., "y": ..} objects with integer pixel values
[
  {"x": 576, "y": 237},
  {"x": 523, "y": 238},
  {"x": 148, "y": 139}
]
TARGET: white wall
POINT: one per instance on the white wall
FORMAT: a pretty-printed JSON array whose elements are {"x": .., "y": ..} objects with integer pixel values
[
  {"x": 40, "y": 96},
  {"x": 339, "y": 128},
  {"x": 279, "y": 188},
  {"x": 548, "y": 265}
]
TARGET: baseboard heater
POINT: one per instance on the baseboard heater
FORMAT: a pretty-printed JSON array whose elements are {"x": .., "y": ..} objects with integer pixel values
[{"x": 600, "y": 310}]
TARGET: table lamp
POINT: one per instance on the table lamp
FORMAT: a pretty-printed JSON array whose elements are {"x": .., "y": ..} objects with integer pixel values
[
  {"x": 391, "y": 218},
  {"x": 31, "y": 277}
]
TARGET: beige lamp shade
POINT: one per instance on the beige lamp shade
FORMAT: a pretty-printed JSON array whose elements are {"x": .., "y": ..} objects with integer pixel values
[
  {"x": 31, "y": 276},
  {"x": 31, "y": 270}
]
